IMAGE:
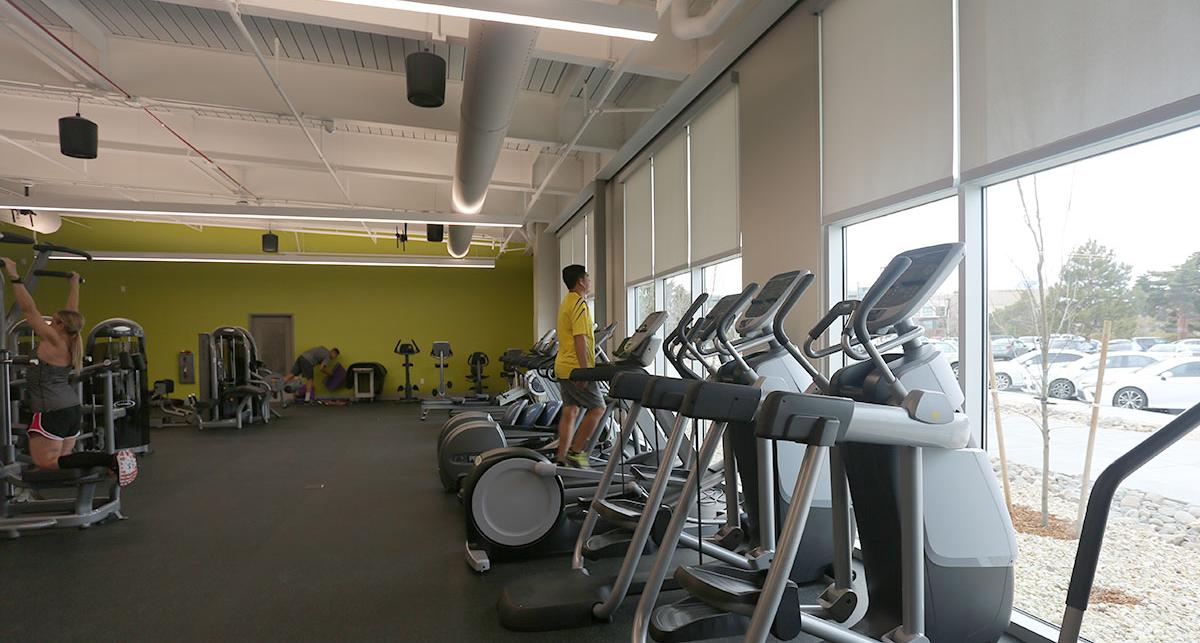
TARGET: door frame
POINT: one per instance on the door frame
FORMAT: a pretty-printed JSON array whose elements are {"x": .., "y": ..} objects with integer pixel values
[{"x": 290, "y": 343}]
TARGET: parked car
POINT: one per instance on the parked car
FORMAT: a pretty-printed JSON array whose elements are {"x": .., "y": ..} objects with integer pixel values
[
  {"x": 1123, "y": 345},
  {"x": 1073, "y": 344},
  {"x": 1147, "y": 342},
  {"x": 1172, "y": 384},
  {"x": 1029, "y": 342},
  {"x": 1182, "y": 350},
  {"x": 1015, "y": 373},
  {"x": 1069, "y": 381},
  {"x": 950, "y": 349},
  {"x": 1193, "y": 344},
  {"x": 1005, "y": 347}
]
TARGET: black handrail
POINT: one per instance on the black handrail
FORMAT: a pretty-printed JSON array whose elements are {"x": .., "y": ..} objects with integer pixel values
[
  {"x": 10, "y": 237},
  {"x": 1091, "y": 537},
  {"x": 50, "y": 247},
  {"x": 58, "y": 274}
]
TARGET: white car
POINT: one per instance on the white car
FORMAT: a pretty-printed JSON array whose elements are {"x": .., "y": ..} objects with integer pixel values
[
  {"x": 1068, "y": 382},
  {"x": 1173, "y": 384},
  {"x": 1017, "y": 373},
  {"x": 1174, "y": 349}
]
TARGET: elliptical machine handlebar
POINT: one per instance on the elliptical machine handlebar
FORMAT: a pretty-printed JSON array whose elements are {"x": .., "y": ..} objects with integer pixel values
[
  {"x": 726, "y": 323},
  {"x": 781, "y": 335},
  {"x": 677, "y": 338},
  {"x": 858, "y": 322}
]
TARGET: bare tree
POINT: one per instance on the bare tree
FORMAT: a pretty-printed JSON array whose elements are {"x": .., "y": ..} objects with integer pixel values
[{"x": 1049, "y": 316}]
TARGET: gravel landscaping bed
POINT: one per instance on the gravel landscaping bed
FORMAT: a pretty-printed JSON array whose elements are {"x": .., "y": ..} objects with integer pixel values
[{"x": 1148, "y": 582}]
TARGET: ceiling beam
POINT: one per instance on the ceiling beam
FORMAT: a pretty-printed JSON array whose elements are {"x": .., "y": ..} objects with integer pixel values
[
  {"x": 561, "y": 46},
  {"x": 85, "y": 24},
  {"x": 236, "y": 212},
  {"x": 29, "y": 141}
]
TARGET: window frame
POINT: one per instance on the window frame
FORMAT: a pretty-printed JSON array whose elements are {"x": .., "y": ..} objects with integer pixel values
[{"x": 974, "y": 343}]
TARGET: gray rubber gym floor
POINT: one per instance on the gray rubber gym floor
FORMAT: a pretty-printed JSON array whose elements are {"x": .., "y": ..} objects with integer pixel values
[{"x": 327, "y": 525}]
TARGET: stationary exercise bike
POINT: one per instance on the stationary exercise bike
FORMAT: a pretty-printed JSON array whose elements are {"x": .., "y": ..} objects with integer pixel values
[
  {"x": 441, "y": 352},
  {"x": 478, "y": 361},
  {"x": 407, "y": 349}
]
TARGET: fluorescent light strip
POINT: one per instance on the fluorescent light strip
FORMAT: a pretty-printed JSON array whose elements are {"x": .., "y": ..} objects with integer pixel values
[
  {"x": 291, "y": 259},
  {"x": 265, "y": 217},
  {"x": 511, "y": 18}
]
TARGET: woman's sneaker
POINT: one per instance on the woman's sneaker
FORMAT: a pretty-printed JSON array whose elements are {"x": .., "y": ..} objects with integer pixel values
[{"x": 127, "y": 468}]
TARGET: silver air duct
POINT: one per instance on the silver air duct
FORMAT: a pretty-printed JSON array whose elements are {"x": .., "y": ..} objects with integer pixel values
[{"x": 497, "y": 55}]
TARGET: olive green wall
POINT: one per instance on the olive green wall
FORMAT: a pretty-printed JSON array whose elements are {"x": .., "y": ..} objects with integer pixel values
[{"x": 361, "y": 310}]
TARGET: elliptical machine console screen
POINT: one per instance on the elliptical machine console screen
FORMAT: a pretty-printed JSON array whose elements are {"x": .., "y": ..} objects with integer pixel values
[
  {"x": 708, "y": 325},
  {"x": 764, "y": 306},
  {"x": 930, "y": 267},
  {"x": 640, "y": 337}
]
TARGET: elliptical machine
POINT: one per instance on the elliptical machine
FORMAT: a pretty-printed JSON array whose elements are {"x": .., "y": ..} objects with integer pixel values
[
  {"x": 407, "y": 350},
  {"x": 932, "y": 523}
]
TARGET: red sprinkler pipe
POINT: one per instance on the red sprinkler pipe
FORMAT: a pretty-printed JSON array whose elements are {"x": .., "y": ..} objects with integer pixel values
[{"x": 129, "y": 96}]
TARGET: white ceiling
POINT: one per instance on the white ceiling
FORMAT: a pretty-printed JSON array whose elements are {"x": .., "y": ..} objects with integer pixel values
[{"x": 343, "y": 68}]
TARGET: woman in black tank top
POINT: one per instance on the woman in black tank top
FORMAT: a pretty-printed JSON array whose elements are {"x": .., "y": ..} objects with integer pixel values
[{"x": 57, "y": 413}]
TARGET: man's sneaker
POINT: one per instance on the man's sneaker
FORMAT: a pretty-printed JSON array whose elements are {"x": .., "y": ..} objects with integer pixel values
[
  {"x": 578, "y": 461},
  {"x": 127, "y": 468}
]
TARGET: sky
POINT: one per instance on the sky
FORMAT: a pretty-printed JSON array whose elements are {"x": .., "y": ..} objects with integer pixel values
[{"x": 1140, "y": 201}]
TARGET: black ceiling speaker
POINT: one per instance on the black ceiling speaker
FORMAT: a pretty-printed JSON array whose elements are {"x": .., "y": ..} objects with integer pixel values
[
  {"x": 426, "y": 74},
  {"x": 77, "y": 137},
  {"x": 433, "y": 232},
  {"x": 270, "y": 242}
]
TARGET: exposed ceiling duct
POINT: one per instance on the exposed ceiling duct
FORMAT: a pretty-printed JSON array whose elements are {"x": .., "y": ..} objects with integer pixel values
[
  {"x": 497, "y": 55},
  {"x": 687, "y": 27}
]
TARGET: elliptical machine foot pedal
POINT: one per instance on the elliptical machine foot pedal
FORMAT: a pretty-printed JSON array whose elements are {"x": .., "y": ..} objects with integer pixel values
[
  {"x": 478, "y": 559},
  {"x": 612, "y": 544},
  {"x": 694, "y": 620}
]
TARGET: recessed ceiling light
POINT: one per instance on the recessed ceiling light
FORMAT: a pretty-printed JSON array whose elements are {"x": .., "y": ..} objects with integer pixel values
[
  {"x": 384, "y": 261},
  {"x": 566, "y": 15}
]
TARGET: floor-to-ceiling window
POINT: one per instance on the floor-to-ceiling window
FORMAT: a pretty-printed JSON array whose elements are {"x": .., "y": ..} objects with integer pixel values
[{"x": 1106, "y": 248}]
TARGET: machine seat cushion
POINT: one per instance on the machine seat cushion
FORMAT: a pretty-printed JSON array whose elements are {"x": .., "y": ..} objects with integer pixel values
[
  {"x": 38, "y": 478},
  {"x": 245, "y": 390}
]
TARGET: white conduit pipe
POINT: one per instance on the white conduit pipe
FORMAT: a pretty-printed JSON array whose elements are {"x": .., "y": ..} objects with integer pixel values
[
  {"x": 687, "y": 27},
  {"x": 497, "y": 55}
]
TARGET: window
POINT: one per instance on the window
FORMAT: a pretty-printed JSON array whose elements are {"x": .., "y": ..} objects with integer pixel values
[
  {"x": 641, "y": 304},
  {"x": 677, "y": 296},
  {"x": 720, "y": 279},
  {"x": 1191, "y": 369},
  {"x": 675, "y": 293},
  {"x": 870, "y": 245},
  {"x": 1138, "y": 361},
  {"x": 1104, "y": 239}
]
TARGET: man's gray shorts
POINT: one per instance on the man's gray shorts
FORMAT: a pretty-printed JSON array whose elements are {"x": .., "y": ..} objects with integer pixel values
[{"x": 588, "y": 397}]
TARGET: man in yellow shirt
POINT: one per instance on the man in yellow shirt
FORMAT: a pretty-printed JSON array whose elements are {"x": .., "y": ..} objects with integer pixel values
[{"x": 576, "y": 349}]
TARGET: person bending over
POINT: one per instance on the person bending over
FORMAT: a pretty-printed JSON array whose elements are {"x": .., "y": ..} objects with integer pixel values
[
  {"x": 54, "y": 400},
  {"x": 314, "y": 358},
  {"x": 577, "y": 349}
]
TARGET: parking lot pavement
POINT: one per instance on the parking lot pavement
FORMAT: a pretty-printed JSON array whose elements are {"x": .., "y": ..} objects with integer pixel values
[{"x": 1172, "y": 474}]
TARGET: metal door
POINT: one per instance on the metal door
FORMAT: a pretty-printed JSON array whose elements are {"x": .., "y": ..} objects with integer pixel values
[{"x": 273, "y": 334}]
